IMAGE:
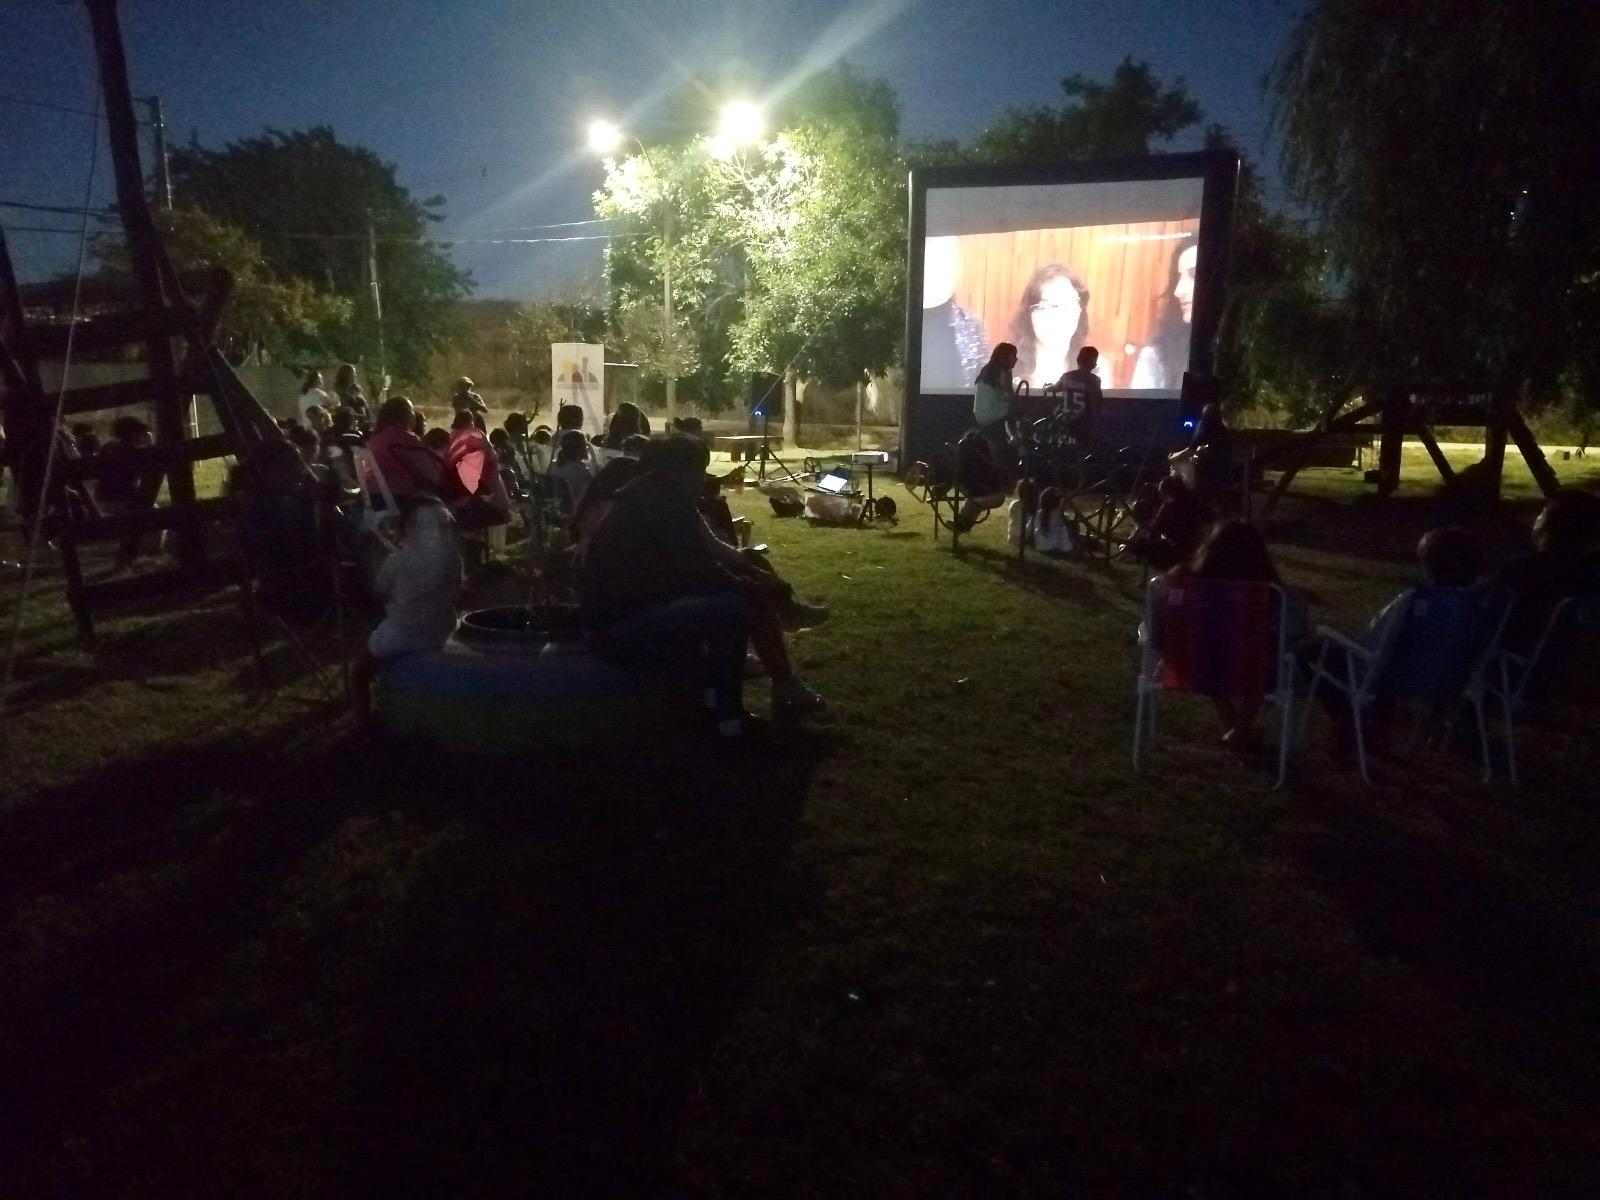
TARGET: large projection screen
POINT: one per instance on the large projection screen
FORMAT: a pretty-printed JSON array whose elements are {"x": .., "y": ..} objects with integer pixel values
[{"x": 1126, "y": 257}]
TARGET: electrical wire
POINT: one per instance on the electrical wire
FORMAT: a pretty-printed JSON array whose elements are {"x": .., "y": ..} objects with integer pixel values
[
  {"x": 55, "y": 428},
  {"x": 103, "y": 214}
]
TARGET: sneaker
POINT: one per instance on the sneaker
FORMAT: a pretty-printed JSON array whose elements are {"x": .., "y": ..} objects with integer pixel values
[
  {"x": 800, "y": 615},
  {"x": 792, "y": 698}
]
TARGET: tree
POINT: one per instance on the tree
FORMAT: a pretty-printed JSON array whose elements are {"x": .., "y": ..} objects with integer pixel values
[
  {"x": 307, "y": 197},
  {"x": 1119, "y": 119},
  {"x": 822, "y": 229},
  {"x": 1449, "y": 152},
  {"x": 262, "y": 311},
  {"x": 737, "y": 243}
]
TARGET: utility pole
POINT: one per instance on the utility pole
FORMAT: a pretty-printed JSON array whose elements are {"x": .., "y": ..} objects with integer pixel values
[
  {"x": 163, "y": 170},
  {"x": 668, "y": 341},
  {"x": 377, "y": 302}
]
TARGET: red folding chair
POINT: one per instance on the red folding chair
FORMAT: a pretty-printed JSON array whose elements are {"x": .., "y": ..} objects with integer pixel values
[{"x": 1217, "y": 638}]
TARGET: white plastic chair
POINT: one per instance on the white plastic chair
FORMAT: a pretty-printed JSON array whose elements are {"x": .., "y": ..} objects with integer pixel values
[
  {"x": 1431, "y": 644},
  {"x": 1505, "y": 677},
  {"x": 371, "y": 482}
]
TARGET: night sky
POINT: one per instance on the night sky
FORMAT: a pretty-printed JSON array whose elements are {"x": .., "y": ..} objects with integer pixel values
[{"x": 486, "y": 102}]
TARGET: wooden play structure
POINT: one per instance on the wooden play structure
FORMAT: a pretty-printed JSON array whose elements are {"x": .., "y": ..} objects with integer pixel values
[
  {"x": 167, "y": 322},
  {"x": 1398, "y": 412}
]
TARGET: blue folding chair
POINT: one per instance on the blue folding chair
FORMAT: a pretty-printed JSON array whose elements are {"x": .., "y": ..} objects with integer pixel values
[{"x": 1427, "y": 652}]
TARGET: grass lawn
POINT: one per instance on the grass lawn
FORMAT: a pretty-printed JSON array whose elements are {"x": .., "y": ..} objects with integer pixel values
[{"x": 941, "y": 942}]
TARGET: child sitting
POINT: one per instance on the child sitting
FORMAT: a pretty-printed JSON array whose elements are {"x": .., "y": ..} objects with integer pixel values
[
  {"x": 1051, "y": 533},
  {"x": 1019, "y": 516},
  {"x": 1450, "y": 558}
]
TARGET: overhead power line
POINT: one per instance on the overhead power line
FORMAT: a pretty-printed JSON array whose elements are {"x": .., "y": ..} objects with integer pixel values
[
  {"x": 63, "y": 108},
  {"x": 104, "y": 214}
]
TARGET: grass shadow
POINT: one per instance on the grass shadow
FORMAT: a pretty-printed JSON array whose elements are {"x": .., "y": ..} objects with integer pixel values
[
  {"x": 516, "y": 970},
  {"x": 1038, "y": 574}
]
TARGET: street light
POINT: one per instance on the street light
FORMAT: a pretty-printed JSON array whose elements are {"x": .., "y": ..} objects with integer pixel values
[
  {"x": 604, "y": 137},
  {"x": 742, "y": 124}
]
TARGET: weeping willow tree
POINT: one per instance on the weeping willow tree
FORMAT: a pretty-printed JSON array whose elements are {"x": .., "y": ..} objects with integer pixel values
[{"x": 1449, "y": 152}]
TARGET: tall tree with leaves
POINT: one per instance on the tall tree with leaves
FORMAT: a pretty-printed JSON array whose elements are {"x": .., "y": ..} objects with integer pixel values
[
  {"x": 1122, "y": 118},
  {"x": 307, "y": 198},
  {"x": 264, "y": 311},
  {"x": 822, "y": 229},
  {"x": 1450, "y": 153}
]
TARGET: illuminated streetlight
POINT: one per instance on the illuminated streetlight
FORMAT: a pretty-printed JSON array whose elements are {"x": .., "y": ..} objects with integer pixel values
[
  {"x": 742, "y": 124},
  {"x": 604, "y": 137}
]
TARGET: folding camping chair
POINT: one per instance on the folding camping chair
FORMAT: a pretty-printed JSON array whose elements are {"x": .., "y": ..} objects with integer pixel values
[
  {"x": 1219, "y": 638},
  {"x": 1558, "y": 667},
  {"x": 1427, "y": 651}
]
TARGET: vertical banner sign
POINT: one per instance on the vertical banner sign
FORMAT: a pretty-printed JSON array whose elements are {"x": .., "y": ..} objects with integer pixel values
[{"x": 578, "y": 376}]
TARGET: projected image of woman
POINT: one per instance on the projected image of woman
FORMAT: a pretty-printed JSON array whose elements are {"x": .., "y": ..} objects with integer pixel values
[
  {"x": 1051, "y": 324},
  {"x": 1161, "y": 364}
]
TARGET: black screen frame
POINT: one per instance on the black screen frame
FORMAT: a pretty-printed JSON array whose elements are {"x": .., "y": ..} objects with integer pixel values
[{"x": 1217, "y": 169}]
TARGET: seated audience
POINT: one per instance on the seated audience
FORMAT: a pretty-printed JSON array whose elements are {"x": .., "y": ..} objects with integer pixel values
[
  {"x": 511, "y": 469},
  {"x": 599, "y": 496},
  {"x": 570, "y": 473},
  {"x": 437, "y": 439},
  {"x": 1451, "y": 557},
  {"x": 1175, "y": 531},
  {"x": 1565, "y": 562},
  {"x": 981, "y": 477},
  {"x": 628, "y": 421},
  {"x": 417, "y": 583},
  {"x": 657, "y": 589},
  {"x": 407, "y": 465},
  {"x": 485, "y": 501},
  {"x": 1050, "y": 532},
  {"x": 1019, "y": 515},
  {"x": 85, "y": 439},
  {"x": 1234, "y": 551}
]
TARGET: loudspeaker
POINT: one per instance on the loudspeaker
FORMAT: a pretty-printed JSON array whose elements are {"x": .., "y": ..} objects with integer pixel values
[{"x": 766, "y": 396}]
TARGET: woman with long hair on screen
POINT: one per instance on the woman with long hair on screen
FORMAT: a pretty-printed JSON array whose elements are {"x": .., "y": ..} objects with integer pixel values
[
  {"x": 1161, "y": 364},
  {"x": 1051, "y": 324}
]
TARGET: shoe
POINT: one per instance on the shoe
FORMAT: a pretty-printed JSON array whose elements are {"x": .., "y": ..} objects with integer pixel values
[
  {"x": 800, "y": 615},
  {"x": 792, "y": 698}
]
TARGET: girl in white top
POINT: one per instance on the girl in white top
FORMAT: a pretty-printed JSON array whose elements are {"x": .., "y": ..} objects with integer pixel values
[
  {"x": 311, "y": 393},
  {"x": 1019, "y": 516},
  {"x": 1051, "y": 533}
]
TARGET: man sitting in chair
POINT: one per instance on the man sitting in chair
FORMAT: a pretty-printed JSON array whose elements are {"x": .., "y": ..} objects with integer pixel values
[{"x": 658, "y": 590}]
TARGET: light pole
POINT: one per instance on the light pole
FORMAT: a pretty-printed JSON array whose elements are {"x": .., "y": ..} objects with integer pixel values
[{"x": 742, "y": 123}]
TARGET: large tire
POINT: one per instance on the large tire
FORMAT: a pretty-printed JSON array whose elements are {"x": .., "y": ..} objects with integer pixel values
[{"x": 511, "y": 697}]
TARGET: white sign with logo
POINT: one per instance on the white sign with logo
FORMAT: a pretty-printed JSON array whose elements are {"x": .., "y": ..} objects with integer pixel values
[{"x": 578, "y": 376}]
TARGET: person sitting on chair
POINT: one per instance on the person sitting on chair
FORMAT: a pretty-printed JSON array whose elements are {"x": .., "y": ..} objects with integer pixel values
[
  {"x": 485, "y": 502},
  {"x": 1175, "y": 530},
  {"x": 628, "y": 421},
  {"x": 658, "y": 590},
  {"x": 1079, "y": 390},
  {"x": 981, "y": 478},
  {"x": 404, "y": 461},
  {"x": 1451, "y": 557},
  {"x": 571, "y": 473},
  {"x": 992, "y": 392},
  {"x": 417, "y": 583},
  {"x": 1565, "y": 562},
  {"x": 1233, "y": 551}
]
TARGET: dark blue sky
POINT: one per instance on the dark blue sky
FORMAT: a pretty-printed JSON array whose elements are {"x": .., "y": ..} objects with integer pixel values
[{"x": 486, "y": 101}]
